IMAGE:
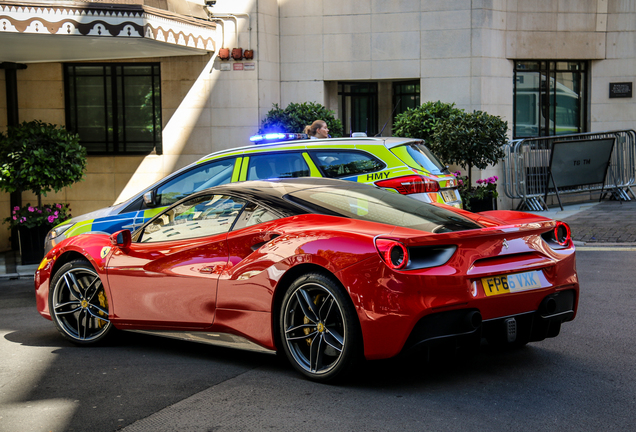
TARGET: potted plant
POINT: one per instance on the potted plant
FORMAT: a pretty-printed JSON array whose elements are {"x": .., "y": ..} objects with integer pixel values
[
  {"x": 38, "y": 157},
  {"x": 478, "y": 198},
  {"x": 457, "y": 137},
  {"x": 32, "y": 223}
]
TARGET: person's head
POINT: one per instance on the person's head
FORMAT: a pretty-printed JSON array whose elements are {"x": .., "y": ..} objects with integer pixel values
[{"x": 318, "y": 129}]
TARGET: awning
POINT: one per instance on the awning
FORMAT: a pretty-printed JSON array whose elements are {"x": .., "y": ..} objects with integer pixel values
[{"x": 36, "y": 32}]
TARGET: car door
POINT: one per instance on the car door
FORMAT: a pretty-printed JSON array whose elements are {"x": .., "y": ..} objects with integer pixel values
[{"x": 167, "y": 278}]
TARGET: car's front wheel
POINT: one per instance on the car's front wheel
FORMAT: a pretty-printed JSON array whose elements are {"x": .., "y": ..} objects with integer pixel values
[
  {"x": 319, "y": 328},
  {"x": 78, "y": 303}
]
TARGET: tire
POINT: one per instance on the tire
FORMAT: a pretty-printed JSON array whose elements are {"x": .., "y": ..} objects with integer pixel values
[
  {"x": 319, "y": 328},
  {"x": 78, "y": 304}
]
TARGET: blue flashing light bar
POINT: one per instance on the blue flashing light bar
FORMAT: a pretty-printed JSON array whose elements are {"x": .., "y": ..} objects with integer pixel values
[{"x": 276, "y": 137}]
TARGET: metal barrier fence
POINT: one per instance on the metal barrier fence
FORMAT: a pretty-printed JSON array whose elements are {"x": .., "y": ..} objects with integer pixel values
[{"x": 527, "y": 160}]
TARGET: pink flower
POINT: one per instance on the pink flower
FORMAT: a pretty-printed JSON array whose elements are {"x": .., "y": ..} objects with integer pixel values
[
  {"x": 16, "y": 208},
  {"x": 15, "y": 218},
  {"x": 23, "y": 220},
  {"x": 461, "y": 182},
  {"x": 56, "y": 213},
  {"x": 51, "y": 219},
  {"x": 480, "y": 181},
  {"x": 39, "y": 211},
  {"x": 58, "y": 206}
]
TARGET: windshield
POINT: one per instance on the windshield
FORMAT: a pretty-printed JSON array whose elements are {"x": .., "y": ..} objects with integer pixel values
[{"x": 378, "y": 205}]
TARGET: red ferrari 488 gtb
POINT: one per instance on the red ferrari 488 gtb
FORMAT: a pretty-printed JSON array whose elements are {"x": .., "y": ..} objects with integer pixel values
[{"x": 328, "y": 271}]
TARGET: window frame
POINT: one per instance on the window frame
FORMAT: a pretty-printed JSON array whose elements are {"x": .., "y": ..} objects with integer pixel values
[
  {"x": 347, "y": 99},
  {"x": 547, "y": 71},
  {"x": 398, "y": 96},
  {"x": 113, "y": 85}
]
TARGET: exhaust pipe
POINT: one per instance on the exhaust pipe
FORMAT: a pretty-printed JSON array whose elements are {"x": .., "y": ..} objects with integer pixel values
[
  {"x": 473, "y": 320},
  {"x": 548, "y": 306}
]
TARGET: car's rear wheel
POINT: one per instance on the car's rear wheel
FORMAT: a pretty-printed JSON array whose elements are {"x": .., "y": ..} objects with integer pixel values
[
  {"x": 319, "y": 328},
  {"x": 78, "y": 303}
]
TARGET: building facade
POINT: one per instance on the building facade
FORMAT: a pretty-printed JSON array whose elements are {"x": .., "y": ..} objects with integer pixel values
[{"x": 146, "y": 86}]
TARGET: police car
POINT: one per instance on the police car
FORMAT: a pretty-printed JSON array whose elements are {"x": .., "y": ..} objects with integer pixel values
[{"x": 402, "y": 165}]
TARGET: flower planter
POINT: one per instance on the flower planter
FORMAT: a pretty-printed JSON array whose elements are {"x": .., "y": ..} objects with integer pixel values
[
  {"x": 32, "y": 243},
  {"x": 482, "y": 204}
]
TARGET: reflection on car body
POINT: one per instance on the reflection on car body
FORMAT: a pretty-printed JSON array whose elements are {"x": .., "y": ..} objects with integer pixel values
[{"x": 326, "y": 271}]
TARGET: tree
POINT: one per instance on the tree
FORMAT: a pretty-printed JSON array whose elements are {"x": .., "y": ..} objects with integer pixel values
[
  {"x": 421, "y": 122},
  {"x": 470, "y": 140},
  {"x": 455, "y": 136},
  {"x": 40, "y": 157},
  {"x": 296, "y": 116}
]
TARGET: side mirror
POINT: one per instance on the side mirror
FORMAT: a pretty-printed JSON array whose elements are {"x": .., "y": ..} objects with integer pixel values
[
  {"x": 121, "y": 239},
  {"x": 150, "y": 198}
]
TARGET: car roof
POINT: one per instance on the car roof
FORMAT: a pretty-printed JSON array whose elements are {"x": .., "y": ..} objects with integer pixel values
[{"x": 388, "y": 142}]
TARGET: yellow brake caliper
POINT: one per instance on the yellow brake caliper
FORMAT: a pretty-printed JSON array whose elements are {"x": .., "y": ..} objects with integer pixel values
[
  {"x": 307, "y": 320},
  {"x": 103, "y": 302}
]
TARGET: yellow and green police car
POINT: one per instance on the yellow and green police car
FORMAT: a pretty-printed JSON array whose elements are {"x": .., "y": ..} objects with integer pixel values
[{"x": 403, "y": 165}]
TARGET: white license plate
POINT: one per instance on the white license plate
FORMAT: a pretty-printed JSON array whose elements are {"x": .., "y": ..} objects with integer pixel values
[
  {"x": 512, "y": 283},
  {"x": 448, "y": 196}
]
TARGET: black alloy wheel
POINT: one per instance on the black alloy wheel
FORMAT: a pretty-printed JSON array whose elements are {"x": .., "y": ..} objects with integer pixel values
[
  {"x": 319, "y": 328},
  {"x": 78, "y": 303}
]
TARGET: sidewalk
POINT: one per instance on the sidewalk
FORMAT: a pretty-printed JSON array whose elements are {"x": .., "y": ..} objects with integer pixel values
[
  {"x": 9, "y": 268},
  {"x": 608, "y": 223}
]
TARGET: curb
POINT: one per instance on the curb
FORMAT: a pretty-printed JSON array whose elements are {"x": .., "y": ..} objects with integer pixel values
[{"x": 14, "y": 276}]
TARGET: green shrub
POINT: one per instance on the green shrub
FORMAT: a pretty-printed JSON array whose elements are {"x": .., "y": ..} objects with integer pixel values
[
  {"x": 40, "y": 157},
  {"x": 470, "y": 140},
  {"x": 455, "y": 136},
  {"x": 421, "y": 122},
  {"x": 296, "y": 116}
]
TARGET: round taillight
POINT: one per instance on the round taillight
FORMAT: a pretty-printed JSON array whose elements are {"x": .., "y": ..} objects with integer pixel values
[
  {"x": 394, "y": 253},
  {"x": 562, "y": 233}
]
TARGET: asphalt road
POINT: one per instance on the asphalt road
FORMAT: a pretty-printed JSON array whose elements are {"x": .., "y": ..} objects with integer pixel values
[{"x": 583, "y": 380}]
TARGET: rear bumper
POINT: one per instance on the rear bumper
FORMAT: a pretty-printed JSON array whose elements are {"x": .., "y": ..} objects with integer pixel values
[{"x": 463, "y": 327}]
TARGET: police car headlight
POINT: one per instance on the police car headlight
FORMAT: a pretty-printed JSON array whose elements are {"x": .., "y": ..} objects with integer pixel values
[{"x": 58, "y": 231}]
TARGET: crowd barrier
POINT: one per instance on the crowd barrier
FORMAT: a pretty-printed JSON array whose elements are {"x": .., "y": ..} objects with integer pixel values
[{"x": 526, "y": 168}]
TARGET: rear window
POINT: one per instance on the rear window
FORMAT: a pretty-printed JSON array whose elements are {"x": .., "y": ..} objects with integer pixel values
[
  {"x": 418, "y": 156},
  {"x": 334, "y": 163},
  {"x": 378, "y": 205}
]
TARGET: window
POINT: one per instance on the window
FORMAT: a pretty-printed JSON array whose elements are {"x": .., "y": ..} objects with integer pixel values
[
  {"x": 405, "y": 95},
  {"x": 550, "y": 98},
  {"x": 254, "y": 214},
  {"x": 358, "y": 107},
  {"x": 277, "y": 165},
  {"x": 201, "y": 177},
  {"x": 420, "y": 157},
  {"x": 198, "y": 217},
  {"x": 334, "y": 163},
  {"x": 115, "y": 108}
]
